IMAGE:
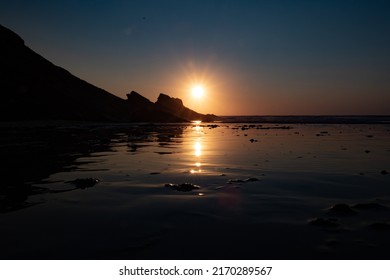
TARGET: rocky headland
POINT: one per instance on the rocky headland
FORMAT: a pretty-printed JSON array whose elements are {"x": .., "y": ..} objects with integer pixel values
[{"x": 33, "y": 88}]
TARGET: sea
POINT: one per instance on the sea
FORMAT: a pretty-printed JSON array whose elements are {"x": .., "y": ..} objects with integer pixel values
[
  {"x": 243, "y": 187},
  {"x": 320, "y": 119}
]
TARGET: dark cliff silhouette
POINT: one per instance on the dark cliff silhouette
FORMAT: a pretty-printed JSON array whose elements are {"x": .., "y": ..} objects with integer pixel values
[
  {"x": 175, "y": 106},
  {"x": 142, "y": 109},
  {"x": 166, "y": 108},
  {"x": 33, "y": 88}
]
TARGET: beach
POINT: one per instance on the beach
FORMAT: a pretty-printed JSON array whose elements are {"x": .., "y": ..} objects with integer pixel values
[{"x": 196, "y": 191}]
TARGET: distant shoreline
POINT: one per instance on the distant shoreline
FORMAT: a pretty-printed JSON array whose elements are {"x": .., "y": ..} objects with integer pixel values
[
  {"x": 324, "y": 119},
  {"x": 309, "y": 119}
]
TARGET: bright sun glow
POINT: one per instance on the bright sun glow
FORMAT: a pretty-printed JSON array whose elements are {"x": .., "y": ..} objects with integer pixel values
[{"x": 197, "y": 91}]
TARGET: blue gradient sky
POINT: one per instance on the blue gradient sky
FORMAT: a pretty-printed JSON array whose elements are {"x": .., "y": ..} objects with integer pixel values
[{"x": 253, "y": 57}]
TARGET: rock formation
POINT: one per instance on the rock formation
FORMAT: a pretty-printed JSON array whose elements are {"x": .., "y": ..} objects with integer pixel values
[
  {"x": 142, "y": 109},
  {"x": 175, "y": 106},
  {"x": 33, "y": 88}
]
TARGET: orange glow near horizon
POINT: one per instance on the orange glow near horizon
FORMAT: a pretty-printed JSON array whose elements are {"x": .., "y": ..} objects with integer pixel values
[
  {"x": 197, "y": 86},
  {"x": 221, "y": 93}
]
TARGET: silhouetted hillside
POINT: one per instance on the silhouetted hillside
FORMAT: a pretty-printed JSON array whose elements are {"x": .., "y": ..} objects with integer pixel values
[{"x": 33, "y": 88}]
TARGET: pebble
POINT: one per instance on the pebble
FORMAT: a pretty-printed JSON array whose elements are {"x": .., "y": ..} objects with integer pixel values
[
  {"x": 83, "y": 183},
  {"x": 252, "y": 179},
  {"x": 326, "y": 222},
  {"x": 341, "y": 209},
  {"x": 185, "y": 187}
]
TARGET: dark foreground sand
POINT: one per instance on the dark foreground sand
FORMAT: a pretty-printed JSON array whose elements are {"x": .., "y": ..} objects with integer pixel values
[{"x": 255, "y": 191}]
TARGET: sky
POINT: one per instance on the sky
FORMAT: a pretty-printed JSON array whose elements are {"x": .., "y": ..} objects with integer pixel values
[{"x": 264, "y": 57}]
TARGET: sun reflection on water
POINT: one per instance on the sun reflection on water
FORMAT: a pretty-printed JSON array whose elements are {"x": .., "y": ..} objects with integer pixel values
[
  {"x": 198, "y": 154},
  {"x": 198, "y": 129},
  {"x": 198, "y": 148}
]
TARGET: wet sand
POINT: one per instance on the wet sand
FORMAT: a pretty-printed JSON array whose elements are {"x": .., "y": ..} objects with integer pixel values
[{"x": 195, "y": 191}]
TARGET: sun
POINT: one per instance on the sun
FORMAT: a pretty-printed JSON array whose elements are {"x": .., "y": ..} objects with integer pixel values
[{"x": 197, "y": 91}]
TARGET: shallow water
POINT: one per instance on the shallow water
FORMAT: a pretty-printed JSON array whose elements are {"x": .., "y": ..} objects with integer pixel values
[{"x": 297, "y": 173}]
